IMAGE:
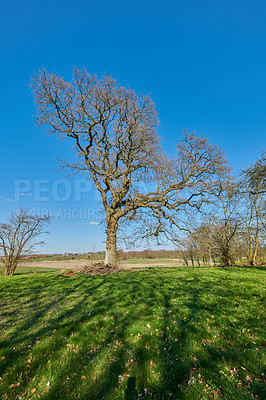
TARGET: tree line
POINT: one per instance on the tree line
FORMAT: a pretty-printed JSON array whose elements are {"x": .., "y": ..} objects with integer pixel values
[{"x": 232, "y": 228}]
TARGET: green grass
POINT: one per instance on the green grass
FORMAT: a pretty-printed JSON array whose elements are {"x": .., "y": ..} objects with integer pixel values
[
  {"x": 156, "y": 333},
  {"x": 21, "y": 270}
]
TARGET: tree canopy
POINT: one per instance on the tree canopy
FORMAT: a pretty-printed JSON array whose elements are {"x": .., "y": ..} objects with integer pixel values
[{"x": 115, "y": 135}]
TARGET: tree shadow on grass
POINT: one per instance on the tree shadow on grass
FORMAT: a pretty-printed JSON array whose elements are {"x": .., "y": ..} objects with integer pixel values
[
  {"x": 174, "y": 368},
  {"x": 114, "y": 321},
  {"x": 23, "y": 335}
]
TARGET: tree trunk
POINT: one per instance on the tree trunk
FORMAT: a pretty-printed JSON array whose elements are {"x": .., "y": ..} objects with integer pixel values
[
  {"x": 255, "y": 250},
  {"x": 254, "y": 257},
  {"x": 10, "y": 269},
  {"x": 110, "y": 254},
  {"x": 210, "y": 257},
  {"x": 250, "y": 252}
]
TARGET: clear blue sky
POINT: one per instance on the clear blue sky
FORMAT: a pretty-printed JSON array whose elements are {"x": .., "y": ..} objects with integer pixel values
[{"x": 204, "y": 63}]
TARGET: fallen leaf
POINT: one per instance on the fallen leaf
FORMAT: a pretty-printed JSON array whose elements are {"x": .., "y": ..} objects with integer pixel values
[{"x": 14, "y": 385}]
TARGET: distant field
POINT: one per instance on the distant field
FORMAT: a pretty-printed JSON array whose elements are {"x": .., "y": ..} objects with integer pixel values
[
  {"x": 154, "y": 333},
  {"x": 147, "y": 261},
  {"x": 79, "y": 263},
  {"x": 98, "y": 257},
  {"x": 61, "y": 258}
]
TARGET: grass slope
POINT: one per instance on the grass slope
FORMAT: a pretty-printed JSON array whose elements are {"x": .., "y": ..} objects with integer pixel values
[{"x": 155, "y": 333}]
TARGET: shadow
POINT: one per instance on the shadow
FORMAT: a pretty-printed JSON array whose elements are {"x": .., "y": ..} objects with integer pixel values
[
  {"x": 131, "y": 391},
  {"x": 143, "y": 334},
  {"x": 252, "y": 267},
  {"x": 21, "y": 335}
]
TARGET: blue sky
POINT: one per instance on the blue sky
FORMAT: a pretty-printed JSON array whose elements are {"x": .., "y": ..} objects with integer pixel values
[{"x": 203, "y": 62}]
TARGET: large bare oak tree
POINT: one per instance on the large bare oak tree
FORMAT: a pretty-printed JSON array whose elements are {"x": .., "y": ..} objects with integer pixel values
[{"x": 114, "y": 131}]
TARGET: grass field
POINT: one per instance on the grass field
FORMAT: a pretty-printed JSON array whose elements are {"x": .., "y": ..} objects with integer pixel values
[
  {"x": 61, "y": 257},
  {"x": 155, "y": 333},
  {"x": 153, "y": 261}
]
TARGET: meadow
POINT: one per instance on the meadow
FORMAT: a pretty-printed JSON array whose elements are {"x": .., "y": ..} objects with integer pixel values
[{"x": 154, "y": 333}]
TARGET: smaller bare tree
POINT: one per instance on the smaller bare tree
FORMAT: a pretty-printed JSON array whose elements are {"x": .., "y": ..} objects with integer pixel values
[
  {"x": 202, "y": 236},
  {"x": 19, "y": 236},
  {"x": 253, "y": 190},
  {"x": 225, "y": 222}
]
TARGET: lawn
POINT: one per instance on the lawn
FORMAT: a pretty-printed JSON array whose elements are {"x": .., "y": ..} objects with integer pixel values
[{"x": 155, "y": 333}]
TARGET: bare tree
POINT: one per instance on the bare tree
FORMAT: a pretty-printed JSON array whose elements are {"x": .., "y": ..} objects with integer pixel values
[
  {"x": 190, "y": 250},
  {"x": 115, "y": 135},
  {"x": 253, "y": 190},
  {"x": 224, "y": 222},
  {"x": 202, "y": 236},
  {"x": 19, "y": 236},
  {"x": 255, "y": 176}
]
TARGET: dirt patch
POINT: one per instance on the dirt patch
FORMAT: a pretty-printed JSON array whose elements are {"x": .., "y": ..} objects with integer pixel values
[
  {"x": 66, "y": 264},
  {"x": 100, "y": 269}
]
